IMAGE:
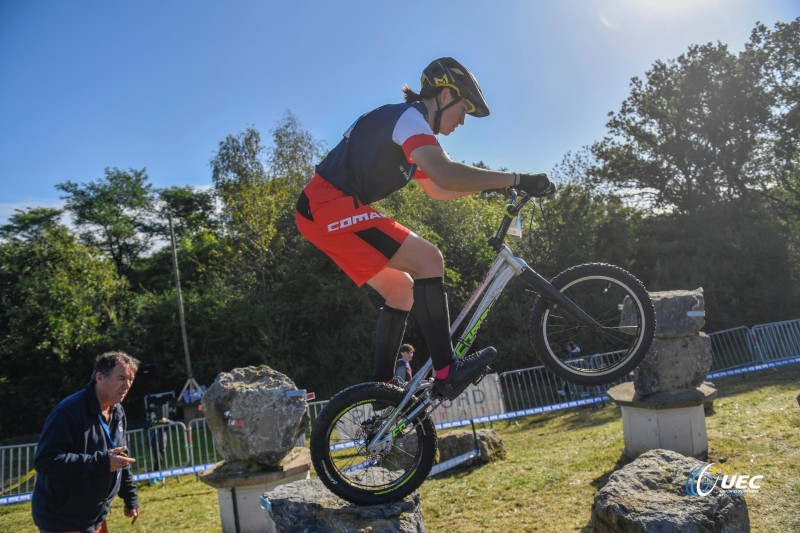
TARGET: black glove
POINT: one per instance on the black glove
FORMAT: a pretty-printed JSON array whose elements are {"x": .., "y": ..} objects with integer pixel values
[{"x": 535, "y": 184}]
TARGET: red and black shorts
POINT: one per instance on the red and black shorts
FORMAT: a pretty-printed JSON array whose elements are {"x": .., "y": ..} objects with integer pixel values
[{"x": 357, "y": 237}]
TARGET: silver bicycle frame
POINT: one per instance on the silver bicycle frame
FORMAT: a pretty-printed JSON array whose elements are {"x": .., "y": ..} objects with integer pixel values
[{"x": 506, "y": 267}]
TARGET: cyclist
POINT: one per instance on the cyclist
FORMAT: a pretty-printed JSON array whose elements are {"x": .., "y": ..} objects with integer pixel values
[{"x": 378, "y": 155}]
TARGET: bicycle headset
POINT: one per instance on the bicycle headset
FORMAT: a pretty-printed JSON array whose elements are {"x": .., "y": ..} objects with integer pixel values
[{"x": 447, "y": 72}]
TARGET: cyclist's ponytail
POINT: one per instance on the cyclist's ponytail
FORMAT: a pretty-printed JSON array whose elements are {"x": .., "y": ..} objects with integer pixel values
[{"x": 427, "y": 92}]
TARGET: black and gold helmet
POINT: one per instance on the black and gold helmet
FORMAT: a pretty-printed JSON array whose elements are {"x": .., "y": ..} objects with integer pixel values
[{"x": 447, "y": 72}]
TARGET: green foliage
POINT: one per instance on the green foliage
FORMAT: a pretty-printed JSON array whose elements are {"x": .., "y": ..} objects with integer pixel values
[
  {"x": 115, "y": 214},
  {"x": 294, "y": 152},
  {"x": 777, "y": 54},
  {"x": 238, "y": 160},
  {"x": 687, "y": 135},
  {"x": 193, "y": 210},
  {"x": 60, "y": 304},
  {"x": 707, "y": 143},
  {"x": 736, "y": 251},
  {"x": 29, "y": 223}
]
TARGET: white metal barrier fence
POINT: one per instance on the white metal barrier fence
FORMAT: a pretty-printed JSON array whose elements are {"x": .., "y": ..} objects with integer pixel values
[
  {"x": 173, "y": 449},
  {"x": 202, "y": 444},
  {"x": 158, "y": 448},
  {"x": 734, "y": 348},
  {"x": 17, "y": 475},
  {"x": 776, "y": 341},
  {"x": 161, "y": 451},
  {"x": 537, "y": 386}
]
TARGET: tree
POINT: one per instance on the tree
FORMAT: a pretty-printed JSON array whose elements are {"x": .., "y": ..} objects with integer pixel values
[
  {"x": 193, "y": 210},
  {"x": 252, "y": 204},
  {"x": 777, "y": 56},
  {"x": 736, "y": 251},
  {"x": 687, "y": 135},
  {"x": 256, "y": 295},
  {"x": 115, "y": 214},
  {"x": 294, "y": 152},
  {"x": 239, "y": 161},
  {"x": 259, "y": 196},
  {"x": 29, "y": 223},
  {"x": 61, "y": 303}
]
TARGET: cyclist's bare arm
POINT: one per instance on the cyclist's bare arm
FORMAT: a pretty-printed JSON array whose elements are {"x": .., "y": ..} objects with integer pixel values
[
  {"x": 450, "y": 177},
  {"x": 437, "y": 193}
]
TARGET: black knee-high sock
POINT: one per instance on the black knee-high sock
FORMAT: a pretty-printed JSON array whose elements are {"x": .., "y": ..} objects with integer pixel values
[
  {"x": 433, "y": 315},
  {"x": 388, "y": 337}
]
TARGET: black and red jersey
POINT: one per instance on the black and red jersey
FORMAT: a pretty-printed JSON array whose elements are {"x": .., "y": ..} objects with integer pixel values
[{"x": 373, "y": 159}]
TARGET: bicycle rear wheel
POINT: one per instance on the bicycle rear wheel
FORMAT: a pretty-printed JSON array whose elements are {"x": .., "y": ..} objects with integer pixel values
[
  {"x": 339, "y": 446},
  {"x": 594, "y": 355}
]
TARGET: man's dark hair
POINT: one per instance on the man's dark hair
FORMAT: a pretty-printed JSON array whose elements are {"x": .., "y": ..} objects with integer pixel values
[
  {"x": 406, "y": 348},
  {"x": 106, "y": 362}
]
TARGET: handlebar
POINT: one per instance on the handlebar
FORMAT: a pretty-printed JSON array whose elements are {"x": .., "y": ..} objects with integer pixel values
[{"x": 517, "y": 200}]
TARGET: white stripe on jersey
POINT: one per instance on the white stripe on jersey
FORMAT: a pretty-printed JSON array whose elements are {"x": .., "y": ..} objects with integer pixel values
[{"x": 410, "y": 123}]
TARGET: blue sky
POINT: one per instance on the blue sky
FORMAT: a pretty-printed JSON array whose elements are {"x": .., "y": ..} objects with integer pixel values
[{"x": 86, "y": 85}]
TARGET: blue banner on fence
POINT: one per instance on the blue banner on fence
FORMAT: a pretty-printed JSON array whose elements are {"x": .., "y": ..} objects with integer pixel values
[
  {"x": 753, "y": 368},
  {"x": 524, "y": 412},
  {"x": 171, "y": 472},
  {"x": 8, "y": 500}
]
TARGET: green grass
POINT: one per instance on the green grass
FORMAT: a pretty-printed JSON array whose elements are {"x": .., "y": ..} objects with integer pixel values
[
  {"x": 555, "y": 464},
  {"x": 182, "y": 505}
]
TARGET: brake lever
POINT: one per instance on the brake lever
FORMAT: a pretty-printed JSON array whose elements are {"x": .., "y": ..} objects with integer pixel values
[{"x": 512, "y": 196}]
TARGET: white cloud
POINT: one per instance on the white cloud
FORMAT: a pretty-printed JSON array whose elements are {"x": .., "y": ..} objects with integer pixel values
[{"x": 8, "y": 209}]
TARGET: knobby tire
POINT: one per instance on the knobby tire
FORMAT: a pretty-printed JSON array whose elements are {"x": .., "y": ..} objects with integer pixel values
[
  {"x": 618, "y": 302},
  {"x": 349, "y": 420}
]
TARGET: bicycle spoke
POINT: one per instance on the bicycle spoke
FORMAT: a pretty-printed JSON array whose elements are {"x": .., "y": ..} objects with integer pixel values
[
  {"x": 587, "y": 354},
  {"x": 343, "y": 460}
]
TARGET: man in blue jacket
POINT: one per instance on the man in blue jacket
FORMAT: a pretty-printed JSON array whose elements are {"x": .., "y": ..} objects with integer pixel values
[{"x": 81, "y": 459}]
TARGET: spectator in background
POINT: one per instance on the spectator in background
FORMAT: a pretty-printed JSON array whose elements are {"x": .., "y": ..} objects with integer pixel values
[
  {"x": 157, "y": 437},
  {"x": 402, "y": 368},
  {"x": 574, "y": 350},
  {"x": 82, "y": 458}
]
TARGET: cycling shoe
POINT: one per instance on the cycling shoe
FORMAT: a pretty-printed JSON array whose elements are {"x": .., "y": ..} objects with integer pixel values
[{"x": 463, "y": 371}]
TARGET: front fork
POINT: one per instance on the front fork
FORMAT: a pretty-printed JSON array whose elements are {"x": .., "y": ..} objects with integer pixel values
[
  {"x": 554, "y": 296},
  {"x": 384, "y": 437}
]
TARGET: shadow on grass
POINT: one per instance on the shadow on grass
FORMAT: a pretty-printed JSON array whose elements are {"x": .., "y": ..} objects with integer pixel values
[
  {"x": 600, "y": 481},
  {"x": 591, "y": 416},
  {"x": 577, "y": 417}
]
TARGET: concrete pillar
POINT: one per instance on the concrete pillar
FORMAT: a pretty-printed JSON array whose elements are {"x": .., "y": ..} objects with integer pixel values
[
  {"x": 241, "y": 485},
  {"x": 664, "y": 406}
]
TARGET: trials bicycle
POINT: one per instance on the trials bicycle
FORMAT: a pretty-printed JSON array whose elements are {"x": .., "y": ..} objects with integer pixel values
[{"x": 375, "y": 442}]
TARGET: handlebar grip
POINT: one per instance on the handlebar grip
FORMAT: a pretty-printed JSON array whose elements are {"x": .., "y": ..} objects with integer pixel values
[
  {"x": 516, "y": 191},
  {"x": 550, "y": 190}
]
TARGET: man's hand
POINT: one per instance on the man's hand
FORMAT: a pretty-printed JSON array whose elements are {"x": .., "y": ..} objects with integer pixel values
[
  {"x": 134, "y": 513},
  {"x": 535, "y": 184},
  {"x": 118, "y": 458}
]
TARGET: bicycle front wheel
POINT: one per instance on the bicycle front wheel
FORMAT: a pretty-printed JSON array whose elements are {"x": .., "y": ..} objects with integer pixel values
[
  {"x": 602, "y": 353},
  {"x": 339, "y": 442}
]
